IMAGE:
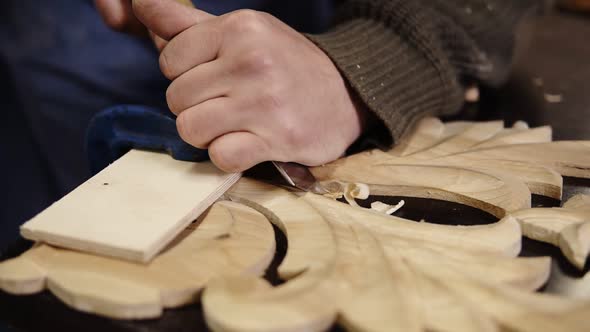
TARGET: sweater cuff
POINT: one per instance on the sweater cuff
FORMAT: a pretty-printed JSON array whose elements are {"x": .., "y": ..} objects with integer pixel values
[{"x": 396, "y": 80}]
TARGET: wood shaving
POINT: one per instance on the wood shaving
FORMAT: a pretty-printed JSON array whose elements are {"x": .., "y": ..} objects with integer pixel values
[
  {"x": 350, "y": 191},
  {"x": 335, "y": 189},
  {"x": 353, "y": 191},
  {"x": 386, "y": 208}
]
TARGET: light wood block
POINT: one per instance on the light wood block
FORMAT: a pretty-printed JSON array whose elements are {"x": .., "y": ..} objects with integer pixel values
[{"x": 133, "y": 208}]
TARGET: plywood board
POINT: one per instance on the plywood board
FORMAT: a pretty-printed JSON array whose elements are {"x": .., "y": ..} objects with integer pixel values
[{"x": 133, "y": 208}]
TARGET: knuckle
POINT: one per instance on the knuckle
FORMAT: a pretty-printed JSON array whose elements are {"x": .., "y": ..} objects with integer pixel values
[
  {"x": 186, "y": 130},
  {"x": 166, "y": 66},
  {"x": 182, "y": 127},
  {"x": 292, "y": 136},
  {"x": 292, "y": 133},
  {"x": 171, "y": 99},
  {"x": 245, "y": 21},
  {"x": 224, "y": 159},
  {"x": 257, "y": 61},
  {"x": 215, "y": 36}
]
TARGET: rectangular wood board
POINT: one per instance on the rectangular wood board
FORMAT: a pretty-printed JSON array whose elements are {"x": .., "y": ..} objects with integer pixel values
[{"x": 133, "y": 208}]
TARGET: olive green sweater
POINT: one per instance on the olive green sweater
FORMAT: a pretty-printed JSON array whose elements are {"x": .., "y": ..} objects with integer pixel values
[{"x": 406, "y": 59}]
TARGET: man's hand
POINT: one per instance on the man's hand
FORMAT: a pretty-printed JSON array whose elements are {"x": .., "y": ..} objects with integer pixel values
[{"x": 249, "y": 88}]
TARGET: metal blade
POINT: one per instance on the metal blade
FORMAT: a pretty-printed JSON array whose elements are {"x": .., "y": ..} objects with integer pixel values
[{"x": 299, "y": 176}]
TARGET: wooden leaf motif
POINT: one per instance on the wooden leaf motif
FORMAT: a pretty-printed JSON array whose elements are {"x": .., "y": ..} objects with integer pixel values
[
  {"x": 567, "y": 228},
  {"x": 388, "y": 274},
  {"x": 364, "y": 269},
  {"x": 231, "y": 239}
]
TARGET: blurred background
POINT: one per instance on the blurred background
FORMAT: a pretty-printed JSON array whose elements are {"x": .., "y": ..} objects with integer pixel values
[{"x": 60, "y": 64}]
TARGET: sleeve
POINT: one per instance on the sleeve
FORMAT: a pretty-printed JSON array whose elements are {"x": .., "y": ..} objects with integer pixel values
[{"x": 406, "y": 59}]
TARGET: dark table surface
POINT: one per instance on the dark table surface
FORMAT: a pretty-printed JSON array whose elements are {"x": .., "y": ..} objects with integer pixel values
[{"x": 550, "y": 84}]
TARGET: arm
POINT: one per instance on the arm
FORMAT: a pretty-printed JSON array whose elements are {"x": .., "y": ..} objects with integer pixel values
[{"x": 408, "y": 59}]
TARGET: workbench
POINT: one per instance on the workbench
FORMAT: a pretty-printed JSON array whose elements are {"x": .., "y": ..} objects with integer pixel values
[{"x": 549, "y": 86}]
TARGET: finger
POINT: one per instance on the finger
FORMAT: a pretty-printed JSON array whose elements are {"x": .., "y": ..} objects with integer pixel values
[
  {"x": 196, "y": 86},
  {"x": 238, "y": 151},
  {"x": 113, "y": 12},
  {"x": 118, "y": 15},
  {"x": 167, "y": 18},
  {"x": 158, "y": 41},
  {"x": 195, "y": 46},
  {"x": 202, "y": 124}
]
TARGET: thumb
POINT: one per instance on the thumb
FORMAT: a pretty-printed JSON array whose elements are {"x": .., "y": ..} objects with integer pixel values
[{"x": 167, "y": 18}]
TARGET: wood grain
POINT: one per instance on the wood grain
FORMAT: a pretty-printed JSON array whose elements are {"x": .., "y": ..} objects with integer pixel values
[
  {"x": 493, "y": 192},
  {"x": 369, "y": 283}
]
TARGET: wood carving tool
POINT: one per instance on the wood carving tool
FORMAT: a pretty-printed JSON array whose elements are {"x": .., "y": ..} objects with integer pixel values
[{"x": 299, "y": 176}]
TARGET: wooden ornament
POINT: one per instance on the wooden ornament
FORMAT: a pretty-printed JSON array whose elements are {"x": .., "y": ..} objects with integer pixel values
[
  {"x": 368, "y": 282},
  {"x": 567, "y": 228},
  {"x": 360, "y": 268}
]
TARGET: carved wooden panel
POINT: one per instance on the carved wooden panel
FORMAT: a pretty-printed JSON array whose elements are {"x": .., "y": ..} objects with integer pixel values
[{"x": 362, "y": 268}]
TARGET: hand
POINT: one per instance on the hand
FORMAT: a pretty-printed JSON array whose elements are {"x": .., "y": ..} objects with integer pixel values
[{"x": 249, "y": 88}]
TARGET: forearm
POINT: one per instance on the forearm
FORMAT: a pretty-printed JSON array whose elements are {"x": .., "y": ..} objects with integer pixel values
[{"x": 408, "y": 59}]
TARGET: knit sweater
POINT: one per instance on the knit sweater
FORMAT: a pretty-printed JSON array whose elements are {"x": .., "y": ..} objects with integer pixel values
[{"x": 406, "y": 59}]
